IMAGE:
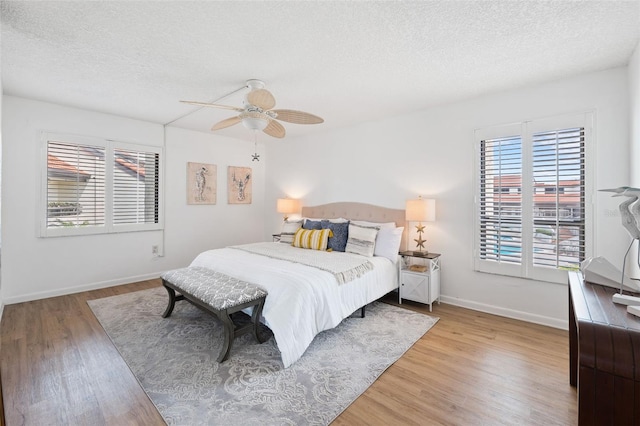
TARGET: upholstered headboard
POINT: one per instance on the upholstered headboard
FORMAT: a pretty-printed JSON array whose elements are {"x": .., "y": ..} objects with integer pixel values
[{"x": 359, "y": 211}]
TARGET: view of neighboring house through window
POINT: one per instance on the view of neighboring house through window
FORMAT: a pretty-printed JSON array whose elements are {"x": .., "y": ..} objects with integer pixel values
[
  {"x": 531, "y": 200},
  {"x": 102, "y": 187}
]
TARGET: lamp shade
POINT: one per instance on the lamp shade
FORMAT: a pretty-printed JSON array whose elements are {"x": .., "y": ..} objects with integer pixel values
[
  {"x": 421, "y": 210},
  {"x": 287, "y": 205}
]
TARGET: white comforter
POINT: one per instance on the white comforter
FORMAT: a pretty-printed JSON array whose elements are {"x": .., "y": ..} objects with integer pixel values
[{"x": 302, "y": 300}]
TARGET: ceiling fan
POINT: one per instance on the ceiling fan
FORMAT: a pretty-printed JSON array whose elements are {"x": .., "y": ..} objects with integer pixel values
[{"x": 257, "y": 113}]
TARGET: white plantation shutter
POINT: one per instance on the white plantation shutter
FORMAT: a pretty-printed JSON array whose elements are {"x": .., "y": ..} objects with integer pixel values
[
  {"x": 135, "y": 187},
  {"x": 99, "y": 186},
  {"x": 531, "y": 198},
  {"x": 559, "y": 198},
  {"x": 500, "y": 199},
  {"x": 75, "y": 189}
]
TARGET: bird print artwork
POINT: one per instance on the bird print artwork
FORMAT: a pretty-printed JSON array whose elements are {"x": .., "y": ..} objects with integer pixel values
[{"x": 201, "y": 183}]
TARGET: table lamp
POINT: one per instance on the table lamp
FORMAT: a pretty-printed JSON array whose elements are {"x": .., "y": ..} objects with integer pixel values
[
  {"x": 287, "y": 206},
  {"x": 420, "y": 210}
]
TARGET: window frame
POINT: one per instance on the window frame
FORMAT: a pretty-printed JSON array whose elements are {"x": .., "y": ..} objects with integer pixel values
[
  {"x": 109, "y": 146},
  {"x": 526, "y": 129}
]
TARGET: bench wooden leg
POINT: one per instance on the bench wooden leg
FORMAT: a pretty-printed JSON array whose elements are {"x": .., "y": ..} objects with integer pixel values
[
  {"x": 172, "y": 300},
  {"x": 229, "y": 335},
  {"x": 255, "y": 319}
]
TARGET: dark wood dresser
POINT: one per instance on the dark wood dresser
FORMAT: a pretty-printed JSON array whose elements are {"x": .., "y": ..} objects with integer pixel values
[{"x": 604, "y": 354}]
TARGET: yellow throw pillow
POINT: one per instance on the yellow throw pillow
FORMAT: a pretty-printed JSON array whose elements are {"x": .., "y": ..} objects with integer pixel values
[{"x": 315, "y": 239}]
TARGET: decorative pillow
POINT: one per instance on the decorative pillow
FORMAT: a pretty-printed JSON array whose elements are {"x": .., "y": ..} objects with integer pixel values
[
  {"x": 312, "y": 224},
  {"x": 381, "y": 225},
  {"x": 388, "y": 243},
  {"x": 362, "y": 240},
  {"x": 340, "y": 234},
  {"x": 315, "y": 239},
  {"x": 338, "y": 220},
  {"x": 374, "y": 224},
  {"x": 289, "y": 229}
]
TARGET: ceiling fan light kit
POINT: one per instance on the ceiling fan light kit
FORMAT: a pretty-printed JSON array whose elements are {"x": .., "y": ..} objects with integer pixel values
[
  {"x": 258, "y": 113},
  {"x": 254, "y": 120}
]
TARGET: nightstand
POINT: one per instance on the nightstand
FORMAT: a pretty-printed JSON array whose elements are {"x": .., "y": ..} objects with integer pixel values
[{"x": 419, "y": 285}]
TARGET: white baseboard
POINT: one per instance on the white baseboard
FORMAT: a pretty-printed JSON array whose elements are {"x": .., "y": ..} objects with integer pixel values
[
  {"x": 509, "y": 313},
  {"x": 469, "y": 304},
  {"x": 70, "y": 290}
]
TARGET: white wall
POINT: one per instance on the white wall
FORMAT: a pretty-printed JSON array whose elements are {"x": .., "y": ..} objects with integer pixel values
[
  {"x": 634, "y": 114},
  {"x": 35, "y": 267},
  {"x": 431, "y": 153},
  {"x": 190, "y": 229},
  {"x": 1, "y": 92}
]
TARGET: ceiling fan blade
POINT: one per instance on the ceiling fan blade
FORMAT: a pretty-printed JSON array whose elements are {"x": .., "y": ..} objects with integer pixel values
[
  {"x": 275, "y": 129},
  {"x": 226, "y": 123},
  {"x": 297, "y": 117},
  {"x": 262, "y": 98},
  {"x": 206, "y": 104}
]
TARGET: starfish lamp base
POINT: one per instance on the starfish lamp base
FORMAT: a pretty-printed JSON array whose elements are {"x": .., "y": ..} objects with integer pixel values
[{"x": 420, "y": 241}]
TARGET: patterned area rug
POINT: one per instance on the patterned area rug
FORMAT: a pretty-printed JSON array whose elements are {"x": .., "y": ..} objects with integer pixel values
[{"x": 174, "y": 359}]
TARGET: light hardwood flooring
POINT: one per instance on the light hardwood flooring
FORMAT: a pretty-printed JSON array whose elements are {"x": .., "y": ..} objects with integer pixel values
[{"x": 57, "y": 366}]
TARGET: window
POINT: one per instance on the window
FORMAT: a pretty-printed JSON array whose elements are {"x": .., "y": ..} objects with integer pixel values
[
  {"x": 75, "y": 185},
  {"x": 540, "y": 228},
  {"x": 135, "y": 187},
  {"x": 96, "y": 186}
]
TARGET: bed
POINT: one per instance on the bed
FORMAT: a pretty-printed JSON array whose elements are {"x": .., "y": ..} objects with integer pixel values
[{"x": 305, "y": 300}]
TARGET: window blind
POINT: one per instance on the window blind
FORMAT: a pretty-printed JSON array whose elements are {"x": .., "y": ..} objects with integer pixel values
[
  {"x": 75, "y": 190},
  {"x": 531, "y": 197},
  {"x": 135, "y": 187},
  {"x": 501, "y": 199},
  {"x": 558, "y": 198}
]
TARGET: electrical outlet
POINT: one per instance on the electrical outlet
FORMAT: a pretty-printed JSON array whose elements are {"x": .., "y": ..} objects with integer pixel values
[{"x": 154, "y": 250}]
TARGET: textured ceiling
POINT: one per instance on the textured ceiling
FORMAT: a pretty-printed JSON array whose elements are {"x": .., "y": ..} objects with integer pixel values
[{"x": 348, "y": 62}]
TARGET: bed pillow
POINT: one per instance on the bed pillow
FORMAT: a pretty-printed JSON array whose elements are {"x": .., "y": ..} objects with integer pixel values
[
  {"x": 289, "y": 228},
  {"x": 337, "y": 220},
  {"x": 381, "y": 225},
  {"x": 388, "y": 243},
  {"x": 315, "y": 239},
  {"x": 340, "y": 234},
  {"x": 374, "y": 224},
  {"x": 312, "y": 224},
  {"x": 362, "y": 239}
]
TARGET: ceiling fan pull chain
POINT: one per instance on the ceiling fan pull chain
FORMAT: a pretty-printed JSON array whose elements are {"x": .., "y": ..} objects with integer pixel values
[{"x": 255, "y": 156}]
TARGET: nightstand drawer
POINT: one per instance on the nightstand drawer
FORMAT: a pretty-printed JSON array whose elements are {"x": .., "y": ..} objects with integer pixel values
[{"x": 414, "y": 286}]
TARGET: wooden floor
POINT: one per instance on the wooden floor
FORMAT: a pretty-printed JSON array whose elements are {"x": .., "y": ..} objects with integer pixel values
[{"x": 57, "y": 366}]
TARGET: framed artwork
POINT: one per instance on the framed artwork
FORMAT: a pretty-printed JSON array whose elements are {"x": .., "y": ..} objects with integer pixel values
[
  {"x": 202, "y": 182},
  {"x": 239, "y": 185}
]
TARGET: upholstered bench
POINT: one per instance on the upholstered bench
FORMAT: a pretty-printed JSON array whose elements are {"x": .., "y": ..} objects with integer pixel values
[{"x": 218, "y": 294}]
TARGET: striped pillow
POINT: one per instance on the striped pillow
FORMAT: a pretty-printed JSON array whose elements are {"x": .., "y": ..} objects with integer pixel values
[
  {"x": 315, "y": 239},
  {"x": 362, "y": 239}
]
